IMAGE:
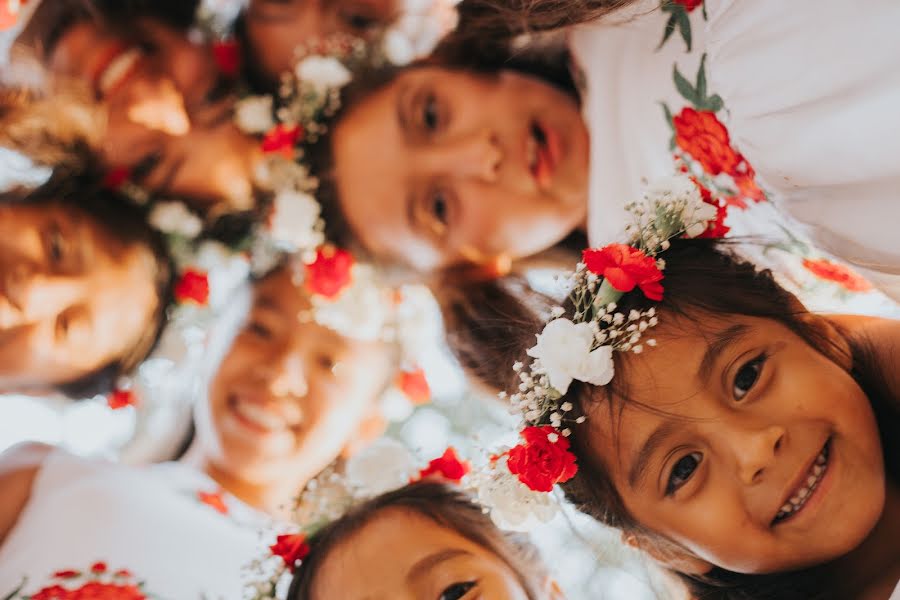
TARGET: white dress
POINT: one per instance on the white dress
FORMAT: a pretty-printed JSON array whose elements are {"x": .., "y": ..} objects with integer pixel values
[
  {"x": 801, "y": 100},
  {"x": 164, "y": 526}
]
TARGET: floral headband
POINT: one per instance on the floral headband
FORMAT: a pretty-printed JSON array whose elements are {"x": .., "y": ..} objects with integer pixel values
[{"x": 581, "y": 348}]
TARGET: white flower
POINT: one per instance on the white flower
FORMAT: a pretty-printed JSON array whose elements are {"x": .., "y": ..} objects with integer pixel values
[
  {"x": 323, "y": 72},
  {"x": 253, "y": 114},
  {"x": 360, "y": 311},
  {"x": 384, "y": 466},
  {"x": 294, "y": 220},
  {"x": 512, "y": 506},
  {"x": 564, "y": 350},
  {"x": 175, "y": 218}
]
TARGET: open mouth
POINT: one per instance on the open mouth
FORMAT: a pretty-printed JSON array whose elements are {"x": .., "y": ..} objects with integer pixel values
[
  {"x": 260, "y": 416},
  {"x": 802, "y": 494},
  {"x": 115, "y": 69},
  {"x": 541, "y": 153}
]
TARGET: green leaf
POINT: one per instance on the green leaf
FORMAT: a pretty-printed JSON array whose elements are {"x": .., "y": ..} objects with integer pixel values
[
  {"x": 701, "y": 79},
  {"x": 670, "y": 29},
  {"x": 668, "y": 114},
  {"x": 703, "y": 8},
  {"x": 684, "y": 27},
  {"x": 684, "y": 87},
  {"x": 714, "y": 103},
  {"x": 16, "y": 591}
]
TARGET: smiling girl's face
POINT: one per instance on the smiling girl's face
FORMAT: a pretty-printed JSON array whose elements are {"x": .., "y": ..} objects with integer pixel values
[{"x": 764, "y": 455}]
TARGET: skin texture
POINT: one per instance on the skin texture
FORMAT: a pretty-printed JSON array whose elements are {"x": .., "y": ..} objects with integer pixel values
[
  {"x": 317, "y": 386},
  {"x": 743, "y": 439},
  {"x": 167, "y": 119},
  {"x": 402, "y": 555},
  {"x": 63, "y": 284},
  {"x": 276, "y": 27},
  {"x": 451, "y": 181}
]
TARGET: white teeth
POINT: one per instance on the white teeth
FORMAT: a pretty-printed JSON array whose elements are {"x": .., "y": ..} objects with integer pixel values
[
  {"x": 118, "y": 68},
  {"x": 799, "y": 499},
  {"x": 817, "y": 470},
  {"x": 810, "y": 480},
  {"x": 259, "y": 416},
  {"x": 820, "y": 460},
  {"x": 786, "y": 508}
]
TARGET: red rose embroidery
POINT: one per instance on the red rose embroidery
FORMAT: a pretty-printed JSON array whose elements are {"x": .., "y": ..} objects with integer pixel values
[
  {"x": 98, "y": 568},
  {"x": 745, "y": 179},
  {"x": 689, "y": 5},
  {"x": 539, "y": 462},
  {"x": 717, "y": 227},
  {"x": 193, "y": 286},
  {"x": 330, "y": 273},
  {"x": 825, "y": 269},
  {"x": 415, "y": 386},
  {"x": 213, "y": 500},
  {"x": 118, "y": 399},
  {"x": 67, "y": 574},
  {"x": 281, "y": 139},
  {"x": 291, "y": 548},
  {"x": 702, "y": 135},
  {"x": 448, "y": 466},
  {"x": 227, "y": 55},
  {"x": 625, "y": 267},
  {"x": 115, "y": 178}
]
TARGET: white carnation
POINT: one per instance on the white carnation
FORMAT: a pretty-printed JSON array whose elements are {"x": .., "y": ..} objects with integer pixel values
[
  {"x": 175, "y": 218},
  {"x": 360, "y": 311},
  {"x": 295, "y": 220},
  {"x": 564, "y": 351},
  {"x": 323, "y": 72},
  {"x": 254, "y": 114},
  {"x": 512, "y": 506},
  {"x": 384, "y": 466}
]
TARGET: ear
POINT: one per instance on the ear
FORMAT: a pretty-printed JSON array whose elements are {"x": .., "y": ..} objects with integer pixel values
[
  {"x": 552, "y": 591},
  {"x": 370, "y": 428},
  {"x": 669, "y": 555}
]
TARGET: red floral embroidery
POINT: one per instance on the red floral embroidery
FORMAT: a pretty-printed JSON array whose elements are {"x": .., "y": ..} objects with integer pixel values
[
  {"x": 122, "y": 573},
  {"x": 281, "y": 139},
  {"x": 67, "y": 574},
  {"x": 96, "y": 586},
  {"x": 193, "y": 286},
  {"x": 829, "y": 271},
  {"x": 330, "y": 273},
  {"x": 689, "y": 5},
  {"x": 227, "y": 54},
  {"x": 214, "y": 500},
  {"x": 118, "y": 399},
  {"x": 705, "y": 138},
  {"x": 115, "y": 178},
  {"x": 98, "y": 568},
  {"x": 625, "y": 267},
  {"x": 448, "y": 466},
  {"x": 292, "y": 548},
  {"x": 415, "y": 386},
  {"x": 539, "y": 462},
  {"x": 717, "y": 227}
]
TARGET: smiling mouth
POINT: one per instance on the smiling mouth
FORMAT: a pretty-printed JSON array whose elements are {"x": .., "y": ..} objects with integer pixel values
[
  {"x": 116, "y": 69},
  {"x": 801, "y": 495},
  {"x": 260, "y": 417}
]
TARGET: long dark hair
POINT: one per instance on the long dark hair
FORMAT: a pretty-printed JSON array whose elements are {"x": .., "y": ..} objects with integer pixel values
[
  {"x": 508, "y": 18},
  {"x": 444, "y": 505},
  {"x": 490, "y": 325}
]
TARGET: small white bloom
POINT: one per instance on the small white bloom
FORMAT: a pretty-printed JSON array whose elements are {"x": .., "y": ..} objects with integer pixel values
[
  {"x": 566, "y": 406},
  {"x": 384, "y": 466},
  {"x": 175, "y": 218},
  {"x": 552, "y": 438},
  {"x": 253, "y": 114},
  {"x": 580, "y": 419},
  {"x": 557, "y": 311},
  {"x": 564, "y": 351},
  {"x": 294, "y": 220},
  {"x": 323, "y": 72},
  {"x": 512, "y": 506}
]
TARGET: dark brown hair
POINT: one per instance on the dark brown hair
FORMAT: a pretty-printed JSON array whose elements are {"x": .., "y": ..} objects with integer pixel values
[
  {"x": 490, "y": 325},
  {"x": 507, "y": 18},
  {"x": 445, "y": 506}
]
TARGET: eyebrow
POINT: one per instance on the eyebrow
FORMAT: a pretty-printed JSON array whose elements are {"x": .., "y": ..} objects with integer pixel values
[
  {"x": 717, "y": 345},
  {"x": 638, "y": 469},
  {"x": 433, "y": 560}
]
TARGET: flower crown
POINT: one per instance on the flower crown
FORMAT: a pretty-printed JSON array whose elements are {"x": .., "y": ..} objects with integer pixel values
[{"x": 581, "y": 348}]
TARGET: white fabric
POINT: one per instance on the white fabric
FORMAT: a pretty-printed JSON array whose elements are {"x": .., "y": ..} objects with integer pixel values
[
  {"x": 811, "y": 89},
  {"x": 147, "y": 520},
  {"x": 896, "y": 594}
]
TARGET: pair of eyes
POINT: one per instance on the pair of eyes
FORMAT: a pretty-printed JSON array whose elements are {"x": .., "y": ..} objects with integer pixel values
[
  {"x": 430, "y": 118},
  {"x": 265, "y": 333},
  {"x": 744, "y": 380}
]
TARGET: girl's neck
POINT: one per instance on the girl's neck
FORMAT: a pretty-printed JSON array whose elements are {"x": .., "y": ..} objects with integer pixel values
[{"x": 872, "y": 570}]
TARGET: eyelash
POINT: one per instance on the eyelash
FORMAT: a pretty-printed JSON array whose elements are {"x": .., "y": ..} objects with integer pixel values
[
  {"x": 260, "y": 330},
  {"x": 753, "y": 366},
  {"x": 671, "y": 485},
  {"x": 431, "y": 118},
  {"x": 461, "y": 588}
]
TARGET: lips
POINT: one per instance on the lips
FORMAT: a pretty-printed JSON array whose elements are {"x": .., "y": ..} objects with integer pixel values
[
  {"x": 542, "y": 153},
  {"x": 114, "y": 68},
  {"x": 263, "y": 415},
  {"x": 805, "y": 486}
]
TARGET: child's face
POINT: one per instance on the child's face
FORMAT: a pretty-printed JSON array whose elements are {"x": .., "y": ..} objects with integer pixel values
[
  {"x": 750, "y": 408},
  {"x": 443, "y": 166},
  {"x": 402, "y": 555},
  {"x": 63, "y": 283},
  {"x": 289, "y": 394}
]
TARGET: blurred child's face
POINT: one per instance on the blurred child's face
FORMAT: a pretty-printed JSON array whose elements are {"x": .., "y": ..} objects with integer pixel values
[
  {"x": 167, "y": 114},
  {"x": 403, "y": 555},
  {"x": 767, "y": 457},
  {"x": 289, "y": 394},
  {"x": 468, "y": 167},
  {"x": 72, "y": 297},
  {"x": 276, "y": 27}
]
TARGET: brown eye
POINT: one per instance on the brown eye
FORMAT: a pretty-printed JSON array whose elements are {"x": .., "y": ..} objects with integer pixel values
[
  {"x": 325, "y": 362},
  {"x": 260, "y": 330},
  {"x": 682, "y": 471},
  {"x": 430, "y": 115},
  {"x": 747, "y": 376},
  {"x": 55, "y": 245},
  {"x": 439, "y": 207},
  {"x": 457, "y": 590}
]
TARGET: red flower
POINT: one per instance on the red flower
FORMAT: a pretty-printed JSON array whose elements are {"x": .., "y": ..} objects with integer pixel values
[
  {"x": 701, "y": 135},
  {"x": 115, "y": 178},
  {"x": 54, "y": 592},
  {"x": 122, "y": 573},
  {"x": 213, "y": 500},
  {"x": 291, "y": 548},
  {"x": 717, "y": 227},
  {"x": 625, "y": 267},
  {"x": 330, "y": 273},
  {"x": 415, "y": 386},
  {"x": 106, "y": 591},
  {"x": 228, "y": 56},
  {"x": 540, "y": 462},
  {"x": 281, "y": 139},
  {"x": 121, "y": 398},
  {"x": 193, "y": 286},
  {"x": 67, "y": 574},
  {"x": 98, "y": 567},
  {"x": 689, "y": 5},
  {"x": 448, "y": 466},
  {"x": 745, "y": 178},
  {"x": 825, "y": 269}
]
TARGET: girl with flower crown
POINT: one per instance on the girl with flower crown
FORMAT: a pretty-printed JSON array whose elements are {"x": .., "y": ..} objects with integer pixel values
[
  {"x": 286, "y": 397},
  {"x": 745, "y": 443},
  {"x": 485, "y": 167}
]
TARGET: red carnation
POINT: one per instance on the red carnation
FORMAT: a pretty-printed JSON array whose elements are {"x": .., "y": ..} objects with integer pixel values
[
  {"x": 625, "y": 267},
  {"x": 715, "y": 228},
  {"x": 448, "y": 466},
  {"x": 415, "y": 386},
  {"x": 745, "y": 179},
  {"x": 330, "y": 273},
  {"x": 281, "y": 139},
  {"x": 227, "y": 55},
  {"x": 193, "y": 286},
  {"x": 702, "y": 135},
  {"x": 121, "y": 398},
  {"x": 115, "y": 178},
  {"x": 98, "y": 567},
  {"x": 213, "y": 500},
  {"x": 539, "y": 462},
  {"x": 825, "y": 269},
  {"x": 291, "y": 548},
  {"x": 689, "y": 5}
]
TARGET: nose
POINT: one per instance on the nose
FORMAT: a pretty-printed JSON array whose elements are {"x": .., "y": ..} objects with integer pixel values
[
  {"x": 158, "y": 105},
  {"x": 477, "y": 156},
  {"x": 289, "y": 379},
  {"x": 756, "y": 450}
]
